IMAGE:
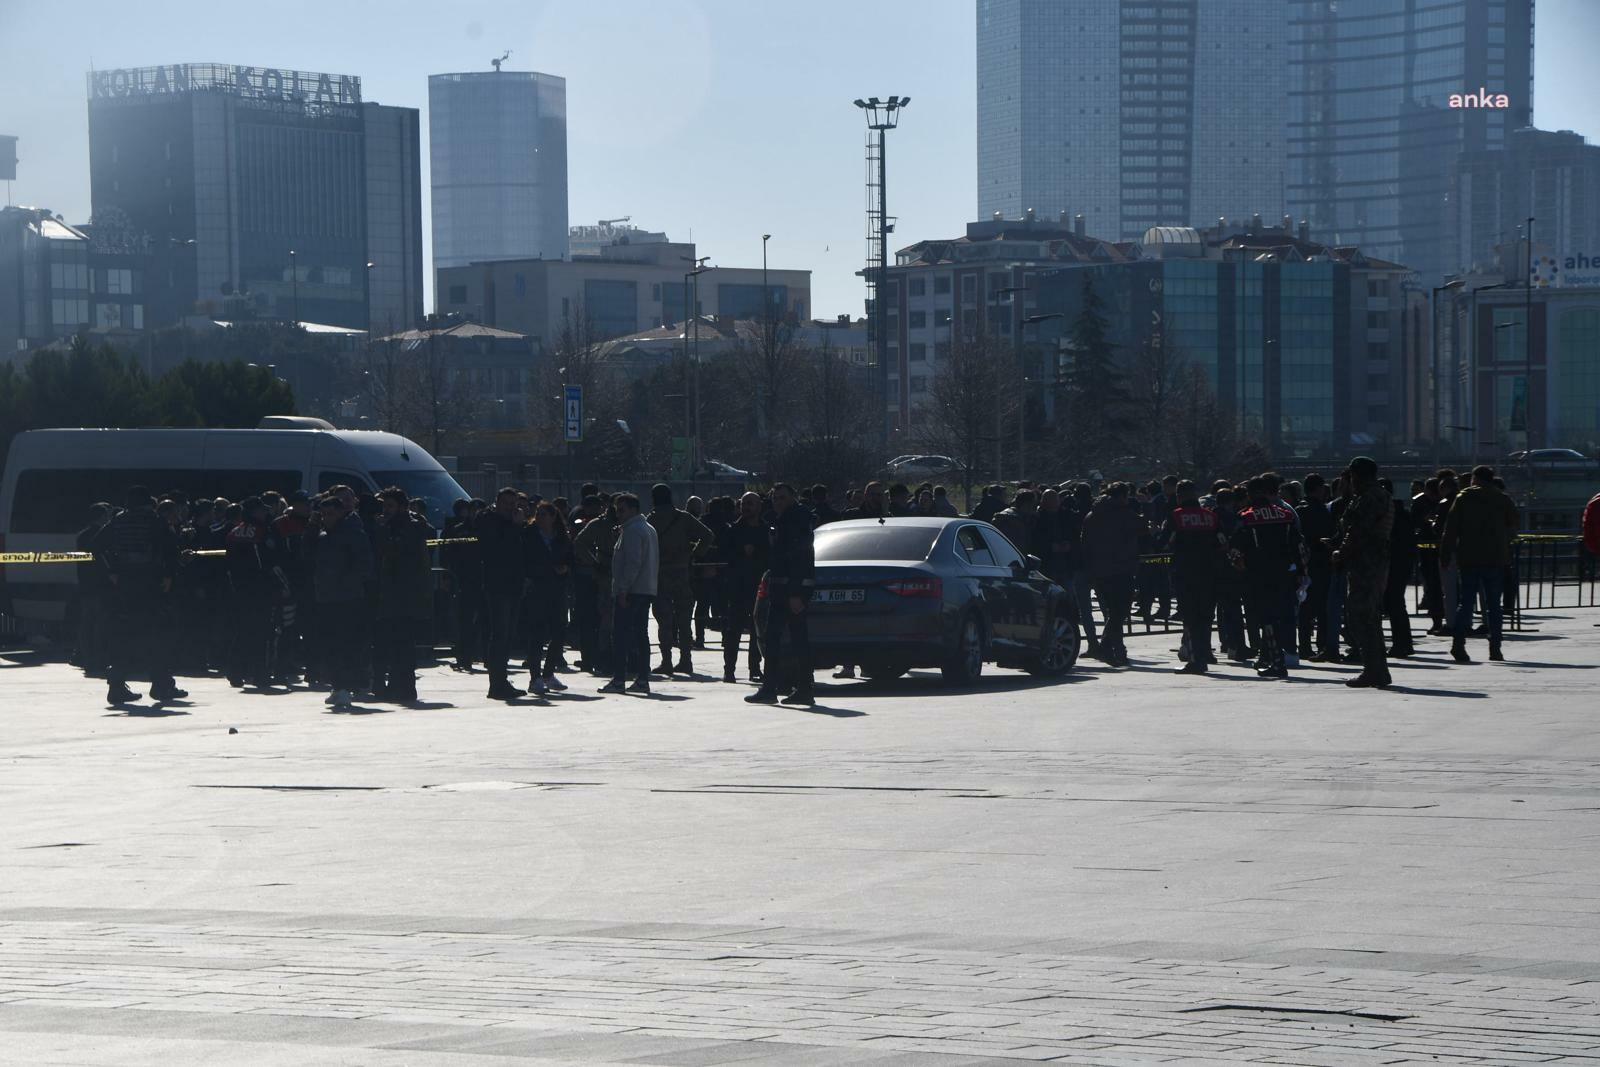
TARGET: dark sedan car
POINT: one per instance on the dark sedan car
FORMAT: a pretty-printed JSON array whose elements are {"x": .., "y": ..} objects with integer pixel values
[{"x": 894, "y": 594}]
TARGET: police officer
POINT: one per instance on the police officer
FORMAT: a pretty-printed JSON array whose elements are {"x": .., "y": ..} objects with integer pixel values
[
  {"x": 791, "y": 567},
  {"x": 139, "y": 553},
  {"x": 503, "y": 565},
  {"x": 744, "y": 546},
  {"x": 466, "y": 580},
  {"x": 1194, "y": 535},
  {"x": 1266, "y": 547},
  {"x": 1363, "y": 552},
  {"x": 681, "y": 538}
]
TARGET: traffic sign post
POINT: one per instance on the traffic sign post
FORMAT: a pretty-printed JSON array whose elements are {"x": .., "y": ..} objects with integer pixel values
[{"x": 573, "y": 396}]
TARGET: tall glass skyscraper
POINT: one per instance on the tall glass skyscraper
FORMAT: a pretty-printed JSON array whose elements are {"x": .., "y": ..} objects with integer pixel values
[
  {"x": 1132, "y": 113},
  {"x": 498, "y": 145},
  {"x": 1387, "y": 95}
]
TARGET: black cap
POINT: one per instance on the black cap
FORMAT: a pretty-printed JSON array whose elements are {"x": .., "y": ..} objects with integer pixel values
[{"x": 1364, "y": 467}]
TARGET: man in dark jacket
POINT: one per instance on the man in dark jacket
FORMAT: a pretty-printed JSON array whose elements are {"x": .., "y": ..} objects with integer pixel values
[
  {"x": 1402, "y": 563},
  {"x": 1316, "y": 526},
  {"x": 256, "y": 576},
  {"x": 1194, "y": 535},
  {"x": 466, "y": 582},
  {"x": 341, "y": 568},
  {"x": 791, "y": 570},
  {"x": 503, "y": 564},
  {"x": 592, "y": 546},
  {"x": 1365, "y": 537},
  {"x": 405, "y": 595},
  {"x": 1478, "y": 532},
  {"x": 1017, "y": 521},
  {"x": 744, "y": 545},
  {"x": 1266, "y": 548},
  {"x": 139, "y": 554},
  {"x": 1112, "y": 533},
  {"x": 1056, "y": 529}
]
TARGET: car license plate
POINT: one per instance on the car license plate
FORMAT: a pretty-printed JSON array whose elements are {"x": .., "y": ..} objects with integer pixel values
[{"x": 838, "y": 596}]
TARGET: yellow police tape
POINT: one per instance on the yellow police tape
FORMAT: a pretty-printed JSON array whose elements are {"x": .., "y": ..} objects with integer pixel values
[{"x": 88, "y": 557}]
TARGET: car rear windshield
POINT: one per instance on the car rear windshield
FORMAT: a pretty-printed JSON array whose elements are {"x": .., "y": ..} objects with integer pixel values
[{"x": 874, "y": 542}]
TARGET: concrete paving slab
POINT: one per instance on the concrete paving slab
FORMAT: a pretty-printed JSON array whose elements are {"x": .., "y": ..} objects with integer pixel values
[{"x": 945, "y": 878}]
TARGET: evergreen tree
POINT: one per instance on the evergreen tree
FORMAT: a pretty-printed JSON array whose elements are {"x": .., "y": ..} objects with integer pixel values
[{"x": 1096, "y": 400}]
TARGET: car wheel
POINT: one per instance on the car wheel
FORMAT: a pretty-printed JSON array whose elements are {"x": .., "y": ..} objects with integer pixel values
[
  {"x": 1060, "y": 652},
  {"x": 965, "y": 662}
]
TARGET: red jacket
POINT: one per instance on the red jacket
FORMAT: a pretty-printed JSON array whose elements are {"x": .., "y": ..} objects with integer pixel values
[{"x": 1591, "y": 526}]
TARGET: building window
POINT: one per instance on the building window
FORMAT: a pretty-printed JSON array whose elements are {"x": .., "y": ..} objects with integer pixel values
[
  {"x": 655, "y": 292},
  {"x": 969, "y": 289},
  {"x": 919, "y": 383},
  {"x": 612, "y": 306},
  {"x": 919, "y": 353},
  {"x": 941, "y": 317},
  {"x": 941, "y": 284},
  {"x": 941, "y": 351},
  {"x": 919, "y": 319},
  {"x": 919, "y": 287}
]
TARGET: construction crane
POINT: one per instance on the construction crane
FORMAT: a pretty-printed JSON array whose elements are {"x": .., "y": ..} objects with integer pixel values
[
  {"x": 612, "y": 222},
  {"x": 496, "y": 62}
]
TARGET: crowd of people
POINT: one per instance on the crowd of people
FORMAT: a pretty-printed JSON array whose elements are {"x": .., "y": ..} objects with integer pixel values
[{"x": 336, "y": 590}]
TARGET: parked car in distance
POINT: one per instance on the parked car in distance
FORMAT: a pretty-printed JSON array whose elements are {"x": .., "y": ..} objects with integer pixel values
[
  {"x": 894, "y": 594},
  {"x": 1551, "y": 458},
  {"x": 719, "y": 471},
  {"x": 906, "y": 467}
]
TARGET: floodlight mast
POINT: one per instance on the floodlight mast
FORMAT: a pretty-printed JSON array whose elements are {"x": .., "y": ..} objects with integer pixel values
[{"x": 882, "y": 116}]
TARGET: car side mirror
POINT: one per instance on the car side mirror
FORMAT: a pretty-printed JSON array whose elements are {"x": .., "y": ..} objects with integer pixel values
[{"x": 1034, "y": 562}]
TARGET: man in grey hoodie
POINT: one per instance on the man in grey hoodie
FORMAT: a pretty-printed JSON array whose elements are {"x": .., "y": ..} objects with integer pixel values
[{"x": 633, "y": 586}]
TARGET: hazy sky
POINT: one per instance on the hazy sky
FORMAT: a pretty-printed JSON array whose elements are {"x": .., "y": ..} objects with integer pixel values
[{"x": 726, "y": 119}]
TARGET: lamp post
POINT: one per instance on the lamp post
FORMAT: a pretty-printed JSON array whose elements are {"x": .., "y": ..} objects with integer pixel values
[
  {"x": 692, "y": 429},
  {"x": 1011, "y": 291},
  {"x": 882, "y": 116},
  {"x": 1022, "y": 392},
  {"x": 294, "y": 281},
  {"x": 1527, "y": 384},
  {"x": 766, "y": 294},
  {"x": 1527, "y": 336},
  {"x": 1433, "y": 362}
]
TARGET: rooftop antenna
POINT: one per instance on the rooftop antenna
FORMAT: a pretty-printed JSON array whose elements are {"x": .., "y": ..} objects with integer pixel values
[{"x": 503, "y": 57}]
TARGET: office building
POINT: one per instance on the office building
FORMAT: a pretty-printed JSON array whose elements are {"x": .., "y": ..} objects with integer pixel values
[
  {"x": 1553, "y": 177},
  {"x": 1520, "y": 365},
  {"x": 1132, "y": 113},
  {"x": 625, "y": 289},
  {"x": 1309, "y": 346},
  {"x": 1385, "y": 98},
  {"x": 497, "y": 141},
  {"x": 58, "y": 280},
  {"x": 394, "y": 216},
  {"x": 257, "y": 186}
]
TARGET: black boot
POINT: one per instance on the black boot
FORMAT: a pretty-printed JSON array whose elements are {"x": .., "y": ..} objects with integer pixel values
[
  {"x": 1494, "y": 652},
  {"x": 1458, "y": 651}
]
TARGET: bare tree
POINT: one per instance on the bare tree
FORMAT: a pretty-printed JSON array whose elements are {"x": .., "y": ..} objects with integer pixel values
[
  {"x": 413, "y": 390},
  {"x": 769, "y": 367},
  {"x": 1160, "y": 381},
  {"x": 1203, "y": 436},
  {"x": 973, "y": 391},
  {"x": 832, "y": 416}
]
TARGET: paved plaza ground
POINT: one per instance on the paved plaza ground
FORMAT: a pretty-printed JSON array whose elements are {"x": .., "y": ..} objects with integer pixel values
[{"x": 1123, "y": 868}]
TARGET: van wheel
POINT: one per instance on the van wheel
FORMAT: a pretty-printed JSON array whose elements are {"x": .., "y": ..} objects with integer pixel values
[{"x": 965, "y": 662}]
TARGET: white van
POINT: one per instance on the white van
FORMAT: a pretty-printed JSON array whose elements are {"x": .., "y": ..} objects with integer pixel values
[{"x": 53, "y": 476}]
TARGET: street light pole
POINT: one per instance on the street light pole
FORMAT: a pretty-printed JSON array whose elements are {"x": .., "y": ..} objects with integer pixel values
[
  {"x": 766, "y": 294},
  {"x": 1011, "y": 291},
  {"x": 1022, "y": 389},
  {"x": 1527, "y": 337},
  {"x": 294, "y": 281},
  {"x": 1433, "y": 362},
  {"x": 882, "y": 116}
]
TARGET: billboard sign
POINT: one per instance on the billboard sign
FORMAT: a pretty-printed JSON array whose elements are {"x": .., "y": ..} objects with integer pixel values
[{"x": 255, "y": 83}]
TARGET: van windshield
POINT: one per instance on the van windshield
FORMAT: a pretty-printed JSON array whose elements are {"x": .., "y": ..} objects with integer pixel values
[{"x": 436, "y": 487}]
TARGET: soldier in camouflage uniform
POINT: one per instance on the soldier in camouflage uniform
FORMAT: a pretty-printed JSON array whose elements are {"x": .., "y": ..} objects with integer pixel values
[{"x": 1362, "y": 549}]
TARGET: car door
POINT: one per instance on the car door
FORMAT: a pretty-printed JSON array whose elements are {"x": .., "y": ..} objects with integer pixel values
[
  {"x": 1024, "y": 604},
  {"x": 974, "y": 546}
]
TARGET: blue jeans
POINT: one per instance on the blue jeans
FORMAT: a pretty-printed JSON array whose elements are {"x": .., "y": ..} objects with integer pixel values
[{"x": 1490, "y": 581}]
